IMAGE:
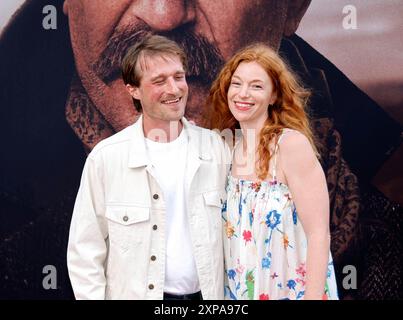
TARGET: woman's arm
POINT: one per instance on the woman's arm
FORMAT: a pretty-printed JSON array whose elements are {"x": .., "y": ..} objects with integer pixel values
[{"x": 307, "y": 183}]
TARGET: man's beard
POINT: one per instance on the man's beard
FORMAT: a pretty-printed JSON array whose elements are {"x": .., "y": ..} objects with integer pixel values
[{"x": 204, "y": 63}]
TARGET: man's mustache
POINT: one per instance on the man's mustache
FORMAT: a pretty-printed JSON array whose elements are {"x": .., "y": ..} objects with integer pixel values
[{"x": 204, "y": 59}]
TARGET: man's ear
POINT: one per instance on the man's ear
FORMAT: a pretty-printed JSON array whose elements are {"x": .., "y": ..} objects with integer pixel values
[
  {"x": 295, "y": 12},
  {"x": 134, "y": 91}
]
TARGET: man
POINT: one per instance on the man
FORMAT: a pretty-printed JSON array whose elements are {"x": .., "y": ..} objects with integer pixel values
[
  {"x": 345, "y": 119},
  {"x": 146, "y": 222}
]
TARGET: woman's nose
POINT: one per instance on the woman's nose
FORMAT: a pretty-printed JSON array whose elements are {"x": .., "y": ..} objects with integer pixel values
[{"x": 244, "y": 91}]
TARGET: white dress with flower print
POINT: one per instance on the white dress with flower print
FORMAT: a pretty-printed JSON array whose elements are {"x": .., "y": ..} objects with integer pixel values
[{"x": 265, "y": 243}]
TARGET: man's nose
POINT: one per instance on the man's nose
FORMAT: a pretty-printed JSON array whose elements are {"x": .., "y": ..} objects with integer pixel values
[
  {"x": 172, "y": 86},
  {"x": 164, "y": 15}
]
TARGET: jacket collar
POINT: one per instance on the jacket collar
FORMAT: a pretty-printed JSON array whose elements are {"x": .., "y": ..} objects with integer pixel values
[{"x": 198, "y": 142}]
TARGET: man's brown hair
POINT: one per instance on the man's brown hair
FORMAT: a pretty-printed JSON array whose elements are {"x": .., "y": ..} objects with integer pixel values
[{"x": 151, "y": 45}]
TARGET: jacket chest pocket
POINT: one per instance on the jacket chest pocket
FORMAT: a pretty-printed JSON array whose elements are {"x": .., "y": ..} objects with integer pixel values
[{"x": 127, "y": 224}]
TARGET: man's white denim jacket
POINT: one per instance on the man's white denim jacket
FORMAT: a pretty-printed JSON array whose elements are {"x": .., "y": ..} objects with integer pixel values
[{"x": 119, "y": 220}]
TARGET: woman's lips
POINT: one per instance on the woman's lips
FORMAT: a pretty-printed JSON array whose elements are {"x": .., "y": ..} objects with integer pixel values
[{"x": 243, "y": 106}]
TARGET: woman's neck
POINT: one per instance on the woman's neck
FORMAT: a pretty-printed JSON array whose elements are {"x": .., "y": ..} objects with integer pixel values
[{"x": 251, "y": 134}]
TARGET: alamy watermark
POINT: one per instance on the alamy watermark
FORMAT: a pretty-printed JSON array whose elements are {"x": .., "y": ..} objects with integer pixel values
[
  {"x": 49, "y": 21},
  {"x": 50, "y": 279},
  {"x": 350, "y": 19},
  {"x": 350, "y": 280}
]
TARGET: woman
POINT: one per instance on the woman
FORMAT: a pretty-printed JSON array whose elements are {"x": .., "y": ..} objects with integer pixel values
[{"x": 276, "y": 218}]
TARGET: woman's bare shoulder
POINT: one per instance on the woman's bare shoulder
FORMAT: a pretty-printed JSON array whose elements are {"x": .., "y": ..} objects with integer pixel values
[{"x": 294, "y": 141}]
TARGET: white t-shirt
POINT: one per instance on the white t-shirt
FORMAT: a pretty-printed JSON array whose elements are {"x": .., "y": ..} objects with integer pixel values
[{"x": 169, "y": 161}]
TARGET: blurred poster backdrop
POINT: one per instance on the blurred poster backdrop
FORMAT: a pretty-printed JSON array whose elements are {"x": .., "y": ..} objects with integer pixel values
[{"x": 60, "y": 94}]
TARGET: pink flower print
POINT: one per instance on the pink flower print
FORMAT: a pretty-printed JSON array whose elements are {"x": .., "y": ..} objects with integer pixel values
[
  {"x": 240, "y": 269},
  {"x": 247, "y": 235},
  {"x": 256, "y": 186},
  {"x": 264, "y": 297},
  {"x": 301, "y": 270}
]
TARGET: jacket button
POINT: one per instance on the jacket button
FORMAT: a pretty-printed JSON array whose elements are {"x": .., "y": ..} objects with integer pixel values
[
  {"x": 125, "y": 218},
  {"x": 153, "y": 258},
  {"x": 155, "y": 196},
  {"x": 155, "y": 227},
  {"x": 150, "y": 286}
]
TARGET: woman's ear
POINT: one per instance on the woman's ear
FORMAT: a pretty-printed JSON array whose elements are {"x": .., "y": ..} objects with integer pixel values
[
  {"x": 295, "y": 12},
  {"x": 273, "y": 98}
]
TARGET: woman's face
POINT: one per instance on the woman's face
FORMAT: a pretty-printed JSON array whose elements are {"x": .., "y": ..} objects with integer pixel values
[{"x": 250, "y": 93}]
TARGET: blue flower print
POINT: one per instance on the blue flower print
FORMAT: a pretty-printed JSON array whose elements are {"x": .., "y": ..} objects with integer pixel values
[
  {"x": 294, "y": 216},
  {"x": 329, "y": 270},
  {"x": 227, "y": 291},
  {"x": 224, "y": 207},
  {"x": 251, "y": 218},
  {"x": 266, "y": 263},
  {"x": 273, "y": 219},
  {"x": 291, "y": 284},
  {"x": 231, "y": 274},
  {"x": 300, "y": 295}
]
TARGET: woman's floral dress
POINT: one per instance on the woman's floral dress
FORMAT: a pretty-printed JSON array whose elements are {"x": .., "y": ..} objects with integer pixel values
[{"x": 265, "y": 244}]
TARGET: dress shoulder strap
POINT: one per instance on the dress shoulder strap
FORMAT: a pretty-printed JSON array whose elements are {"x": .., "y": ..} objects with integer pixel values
[{"x": 282, "y": 134}]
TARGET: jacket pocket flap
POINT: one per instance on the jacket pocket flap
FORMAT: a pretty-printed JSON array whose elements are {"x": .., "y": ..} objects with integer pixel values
[
  {"x": 127, "y": 215},
  {"x": 213, "y": 198}
]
